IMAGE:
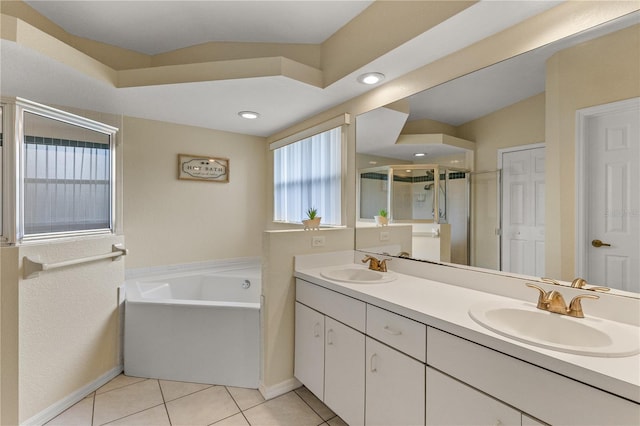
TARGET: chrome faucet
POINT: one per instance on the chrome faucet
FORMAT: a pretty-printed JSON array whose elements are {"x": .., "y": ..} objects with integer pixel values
[
  {"x": 375, "y": 264},
  {"x": 552, "y": 301}
]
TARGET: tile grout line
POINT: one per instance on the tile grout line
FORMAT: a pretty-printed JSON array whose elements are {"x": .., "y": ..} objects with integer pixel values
[
  {"x": 309, "y": 405},
  {"x": 93, "y": 407},
  {"x": 192, "y": 393},
  {"x": 312, "y": 409},
  {"x": 164, "y": 402},
  {"x": 237, "y": 405},
  {"x": 137, "y": 412}
]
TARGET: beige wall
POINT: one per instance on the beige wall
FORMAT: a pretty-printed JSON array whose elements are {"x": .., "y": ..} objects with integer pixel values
[
  {"x": 68, "y": 328},
  {"x": 278, "y": 289},
  {"x": 9, "y": 336},
  {"x": 519, "y": 124},
  {"x": 171, "y": 221},
  {"x": 597, "y": 72},
  {"x": 60, "y": 330}
]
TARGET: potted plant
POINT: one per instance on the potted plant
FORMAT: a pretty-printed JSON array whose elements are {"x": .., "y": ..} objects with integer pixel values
[
  {"x": 381, "y": 219},
  {"x": 313, "y": 220}
]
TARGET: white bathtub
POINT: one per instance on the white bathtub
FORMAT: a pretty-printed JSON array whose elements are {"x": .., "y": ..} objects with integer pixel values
[{"x": 195, "y": 326}]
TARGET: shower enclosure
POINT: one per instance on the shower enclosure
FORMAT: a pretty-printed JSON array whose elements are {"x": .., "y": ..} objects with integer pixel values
[{"x": 420, "y": 194}]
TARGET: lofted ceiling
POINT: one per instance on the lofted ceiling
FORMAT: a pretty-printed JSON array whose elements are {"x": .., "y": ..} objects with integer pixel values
[{"x": 153, "y": 27}]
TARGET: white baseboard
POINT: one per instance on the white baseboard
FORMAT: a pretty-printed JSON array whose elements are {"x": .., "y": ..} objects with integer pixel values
[
  {"x": 270, "y": 392},
  {"x": 54, "y": 410}
]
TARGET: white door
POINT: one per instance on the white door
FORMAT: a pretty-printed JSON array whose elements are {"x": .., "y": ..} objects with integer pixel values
[
  {"x": 344, "y": 372},
  {"x": 612, "y": 146},
  {"x": 523, "y": 211},
  {"x": 309, "y": 349}
]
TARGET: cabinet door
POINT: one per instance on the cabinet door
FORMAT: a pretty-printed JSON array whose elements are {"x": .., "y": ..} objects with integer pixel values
[
  {"x": 450, "y": 402},
  {"x": 344, "y": 371},
  {"x": 309, "y": 347},
  {"x": 394, "y": 387}
]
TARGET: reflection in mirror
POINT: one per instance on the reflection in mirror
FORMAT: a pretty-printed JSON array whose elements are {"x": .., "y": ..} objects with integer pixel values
[{"x": 492, "y": 124}]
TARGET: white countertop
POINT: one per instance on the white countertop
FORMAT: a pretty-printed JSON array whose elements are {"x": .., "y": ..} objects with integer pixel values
[{"x": 445, "y": 307}]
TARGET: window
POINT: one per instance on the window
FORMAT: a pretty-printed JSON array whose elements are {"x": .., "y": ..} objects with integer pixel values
[
  {"x": 64, "y": 175},
  {"x": 308, "y": 174}
]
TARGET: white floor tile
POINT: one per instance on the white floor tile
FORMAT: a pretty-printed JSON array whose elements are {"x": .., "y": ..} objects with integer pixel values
[
  {"x": 286, "y": 410},
  {"x": 156, "y": 416},
  {"x": 172, "y": 390},
  {"x": 202, "y": 408},
  {"x": 80, "y": 414},
  {"x": 124, "y": 401},
  {"x": 118, "y": 382},
  {"x": 317, "y": 405},
  {"x": 236, "y": 420},
  {"x": 246, "y": 398}
]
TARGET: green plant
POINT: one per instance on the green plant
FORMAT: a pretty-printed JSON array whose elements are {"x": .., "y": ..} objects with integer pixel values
[
  {"x": 382, "y": 213},
  {"x": 312, "y": 212}
]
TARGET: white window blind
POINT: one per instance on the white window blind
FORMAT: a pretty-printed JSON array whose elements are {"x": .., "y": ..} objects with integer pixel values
[
  {"x": 67, "y": 185},
  {"x": 307, "y": 174}
]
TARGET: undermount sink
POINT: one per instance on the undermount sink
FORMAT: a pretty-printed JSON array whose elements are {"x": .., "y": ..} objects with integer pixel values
[
  {"x": 357, "y": 275},
  {"x": 583, "y": 336}
]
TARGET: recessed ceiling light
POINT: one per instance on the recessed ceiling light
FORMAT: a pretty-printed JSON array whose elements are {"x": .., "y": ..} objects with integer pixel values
[
  {"x": 371, "y": 78},
  {"x": 373, "y": 163},
  {"x": 249, "y": 115},
  {"x": 419, "y": 154}
]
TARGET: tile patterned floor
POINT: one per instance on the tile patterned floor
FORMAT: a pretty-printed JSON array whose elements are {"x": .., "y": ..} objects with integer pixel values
[{"x": 149, "y": 402}]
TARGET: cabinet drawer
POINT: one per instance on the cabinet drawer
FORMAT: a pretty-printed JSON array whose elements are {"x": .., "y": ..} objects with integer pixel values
[
  {"x": 402, "y": 333},
  {"x": 548, "y": 396},
  {"x": 340, "y": 307}
]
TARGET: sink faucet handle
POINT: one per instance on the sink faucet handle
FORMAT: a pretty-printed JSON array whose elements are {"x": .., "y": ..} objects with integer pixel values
[
  {"x": 550, "y": 281},
  {"x": 542, "y": 297},
  {"x": 374, "y": 264},
  {"x": 383, "y": 265},
  {"x": 575, "y": 307},
  {"x": 581, "y": 283}
]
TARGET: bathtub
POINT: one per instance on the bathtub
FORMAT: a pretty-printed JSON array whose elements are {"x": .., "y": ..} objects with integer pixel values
[{"x": 198, "y": 326}]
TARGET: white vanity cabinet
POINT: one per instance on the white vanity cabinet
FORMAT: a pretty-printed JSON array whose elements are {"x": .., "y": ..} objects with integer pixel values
[
  {"x": 329, "y": 354},
  {"x": 543, "y": 394},
  {"x": 344, "y": 371},
  {"x": 395, "y": 387},
  {"x": 453, "y": 403},
  {"x": 374, "y": 366},
  {"x": 309, "y": 349}
]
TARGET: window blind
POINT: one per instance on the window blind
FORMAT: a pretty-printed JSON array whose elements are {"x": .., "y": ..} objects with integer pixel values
[
  {"x": 66, "y": 185},
  {"x": 307, "y": 174}
]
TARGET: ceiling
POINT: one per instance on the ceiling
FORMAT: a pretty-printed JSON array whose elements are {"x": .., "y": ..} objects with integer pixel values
[
  {"x": 469, "y": 97},
  {"x": 157, "y": 26}
]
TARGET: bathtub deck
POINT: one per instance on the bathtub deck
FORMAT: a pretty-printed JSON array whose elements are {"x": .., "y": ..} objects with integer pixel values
[{"x": 130, "y": 400}]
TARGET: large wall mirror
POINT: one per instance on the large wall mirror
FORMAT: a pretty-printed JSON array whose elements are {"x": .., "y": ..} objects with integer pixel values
[{"x": 470, "y": 171}]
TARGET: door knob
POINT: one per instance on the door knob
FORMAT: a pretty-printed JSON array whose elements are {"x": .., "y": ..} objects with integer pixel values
[{"x": 598, "y": 243}]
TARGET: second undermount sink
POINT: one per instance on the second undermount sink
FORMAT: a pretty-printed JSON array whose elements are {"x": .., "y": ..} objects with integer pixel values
[
  {"x": 357, "y": 275},
  {"x": 583, "y": 336}
]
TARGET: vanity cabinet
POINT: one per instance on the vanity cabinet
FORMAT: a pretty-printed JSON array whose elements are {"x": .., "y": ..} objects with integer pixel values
[
  {"x": 373, "y": 366},
  {"x": 394, "y": 387},
  {"x": 309, "y": 349},
  {"x": 344, "y": 371},
  {"x": 453, "y": 403},
  {"x": 329, "y": 354}
]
